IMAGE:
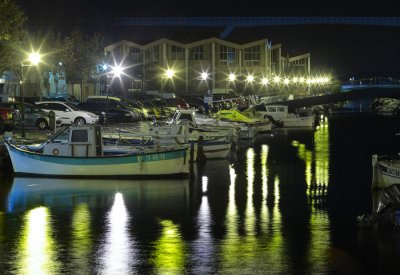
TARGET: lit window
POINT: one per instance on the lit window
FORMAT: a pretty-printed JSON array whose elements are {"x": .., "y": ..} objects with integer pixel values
[
  {"x": 197, "y": 53},
  {"x": 178, "y": 53},
  {"x": 227, "y": 55},
  {"x": 252, "y": 56}
]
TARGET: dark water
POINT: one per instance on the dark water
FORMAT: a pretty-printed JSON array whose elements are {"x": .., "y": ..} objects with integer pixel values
[{"x": 286, "y": 204}]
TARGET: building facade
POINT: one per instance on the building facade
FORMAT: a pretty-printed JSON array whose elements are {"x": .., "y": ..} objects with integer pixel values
[{"x": 200, "y": 66}]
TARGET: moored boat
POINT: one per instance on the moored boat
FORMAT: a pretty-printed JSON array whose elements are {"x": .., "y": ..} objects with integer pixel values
[
  {"x": 386, "y": 171},
  {"x": 77, "y": 151}
]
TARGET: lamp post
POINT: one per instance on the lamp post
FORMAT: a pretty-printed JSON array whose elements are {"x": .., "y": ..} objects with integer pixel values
[
  {"x": 168, "y": 75},
  {"x": 34, "y": 59}
]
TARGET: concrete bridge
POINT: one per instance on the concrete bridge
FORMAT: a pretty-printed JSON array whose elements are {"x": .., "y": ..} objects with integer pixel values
[{"x": 375, "y": 87}]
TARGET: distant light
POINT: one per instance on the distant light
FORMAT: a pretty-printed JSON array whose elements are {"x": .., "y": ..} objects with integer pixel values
[
  {"x": 231, "y": 77},
  {"x": 169, "y": 73},
  {"x": 204, "y": 76},
  {"x": 250, "y": 78},
  {"x": 286, "y": 81},
  {"x": 264, "y": 81},
  {"x": 60, "y": 63},
  {"x": 117, "y": 71},
  {"x": 277, "y": 79},
  {"x": 34, "y": 58},
  {"x": 104, "y": 67}
]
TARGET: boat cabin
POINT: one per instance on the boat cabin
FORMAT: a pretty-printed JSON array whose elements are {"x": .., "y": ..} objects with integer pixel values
[{"x": 76, "y": 141}]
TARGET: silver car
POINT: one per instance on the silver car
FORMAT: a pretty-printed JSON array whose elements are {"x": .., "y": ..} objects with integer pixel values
[{"x": 33, "y": 116}]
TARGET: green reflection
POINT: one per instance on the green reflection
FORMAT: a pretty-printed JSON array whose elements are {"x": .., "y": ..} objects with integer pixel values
[
  {"x": 36, "y": 247},
  {"x": 244, "y": 252},
  {"x": 169, "y": 251},
  {"x": 81, "y": 238},
  {"x": 317, "y": 164},
  {"x": 317, "y": 179},
  {"x": 321, "y": 139}
]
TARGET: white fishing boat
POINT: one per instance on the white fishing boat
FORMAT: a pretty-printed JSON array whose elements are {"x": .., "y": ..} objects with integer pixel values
[
  {"x": 214, "y": 143},
  {"x": 77, "y": 151},
  {"x": 281, "y": 116},
  {"x": 386, "y": 171}
]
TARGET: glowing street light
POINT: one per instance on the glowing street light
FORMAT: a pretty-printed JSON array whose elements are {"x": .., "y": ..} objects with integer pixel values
[
  {"x": 34, "y": 58},
  {"x": 264, "y": 81},
  {"x": 169, "y": 73},
  {"x": 277, "y": 79},
  {"x": 250, "y": 78},
  {"x": 231, "y": 77},
  {"x": 204, "y": 76},
  {"x": 117, "y": 71}
]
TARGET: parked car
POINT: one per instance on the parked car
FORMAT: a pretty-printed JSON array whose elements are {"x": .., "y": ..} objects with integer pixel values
[
  {"x": 33, "y": 115},
  {"x": 68, "y": 112},
  {"x": 125, "y": 103},
  {"x": 112, "y": 113},
  {"x": 7, "y": 121},
  {"x": 63, "y": 97}
]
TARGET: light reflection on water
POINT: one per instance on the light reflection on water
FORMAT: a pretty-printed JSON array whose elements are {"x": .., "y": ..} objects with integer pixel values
[
  {"x": 36, "y": 250},
  {"x": 266, "y": 212},
  {"x": 117, "y": 253}
]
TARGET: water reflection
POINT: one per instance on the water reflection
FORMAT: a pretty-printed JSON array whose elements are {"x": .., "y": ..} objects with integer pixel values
[
  {"x": 117, "y": 253},
  {"x": 169, "y": 255},
  {"x": 82, "y": 241},
  {"x": 36, "y": 252}
]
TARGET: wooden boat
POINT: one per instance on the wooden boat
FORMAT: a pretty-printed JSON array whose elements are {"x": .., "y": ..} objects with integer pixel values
[
  {"x": 77, "y": 151},
  {"x": 386, "y": 171}
]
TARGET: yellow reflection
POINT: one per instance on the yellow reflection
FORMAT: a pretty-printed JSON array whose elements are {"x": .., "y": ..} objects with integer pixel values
[
  {"x": 250, "y": 249},
  {"x": 37, "y": 251},
  {"x": 81, "y": 238},
  {"x": 321, "y": 138},
  {"x": 169, "y": 249},
  {"x": 305, "y": 155},
  {"x": 264, "y": 176},
  {"x": 317, "y": 178},
  {"x": 118, "y": 251}
]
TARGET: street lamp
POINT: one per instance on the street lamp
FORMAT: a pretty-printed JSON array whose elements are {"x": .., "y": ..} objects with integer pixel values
[
  {"x": 34, "y": 59},
  {"x": 168, "y": 75}
]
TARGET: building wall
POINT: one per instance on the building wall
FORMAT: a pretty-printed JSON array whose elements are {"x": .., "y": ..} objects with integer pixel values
[{"x": 218, "y": 58}]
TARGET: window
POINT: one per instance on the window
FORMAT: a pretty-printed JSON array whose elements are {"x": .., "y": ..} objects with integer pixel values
[
  {"x": 197, "y": 53},
  {"x": 178, "y": 53},
  {"x": 252, "y": 56},
  {"x": 79, "y": 136},
  {"x": 227, "y": 55},
  {"x": 154, "y": 54},
  {"x": 135, "y": 55}
]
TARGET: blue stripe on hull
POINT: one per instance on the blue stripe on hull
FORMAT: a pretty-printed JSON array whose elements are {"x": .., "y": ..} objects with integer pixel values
[{"x": 102, "y": 160}]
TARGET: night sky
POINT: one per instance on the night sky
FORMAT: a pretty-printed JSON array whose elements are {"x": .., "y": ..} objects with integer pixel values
[{"x": 350, "y": 50}]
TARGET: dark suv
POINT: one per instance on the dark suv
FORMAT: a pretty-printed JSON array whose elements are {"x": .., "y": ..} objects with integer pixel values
[
  {"x": 6, "y": 119},
  {"x": 111, "y": 112}
]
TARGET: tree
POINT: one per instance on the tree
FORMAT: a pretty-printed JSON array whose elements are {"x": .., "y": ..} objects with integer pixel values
[
  {"x": 12, "y": 19},
  {"x": 81, "y": 56}
]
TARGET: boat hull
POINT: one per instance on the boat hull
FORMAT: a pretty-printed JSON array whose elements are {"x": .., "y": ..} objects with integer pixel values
[
  {"x": 162, "y": 163},
  {"x": 217, "y": 151},
  {"x": 386, "y": 173}
]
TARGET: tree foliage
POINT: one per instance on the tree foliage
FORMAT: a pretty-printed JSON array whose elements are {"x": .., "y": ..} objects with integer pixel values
[
  {"x": 81, "y": 55},
  {"x": 12, "y": 19}
]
